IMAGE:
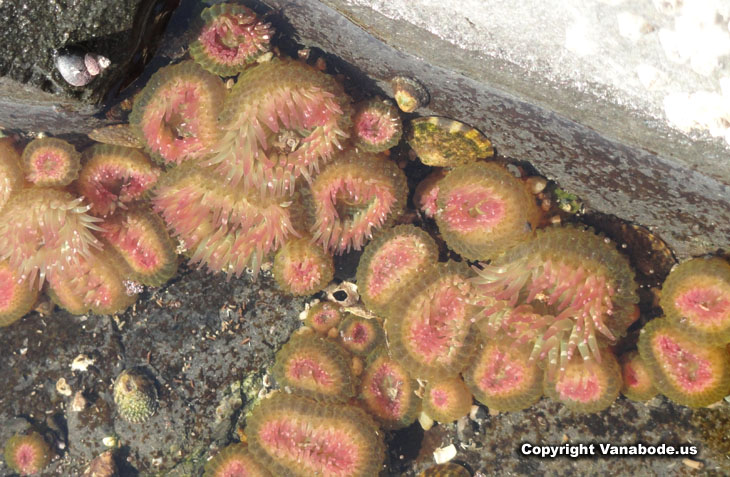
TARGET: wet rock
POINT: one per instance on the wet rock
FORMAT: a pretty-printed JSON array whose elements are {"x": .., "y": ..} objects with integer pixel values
[{"x": 61, "y": 58}]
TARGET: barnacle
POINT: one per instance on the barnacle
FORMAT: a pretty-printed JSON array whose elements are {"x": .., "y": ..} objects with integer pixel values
[
  {"x": 354, "y": 196},
  {"x": 409, "y": 93},
  {"x": 444, "y": 142},
  {"x": 135, "y": 395}
]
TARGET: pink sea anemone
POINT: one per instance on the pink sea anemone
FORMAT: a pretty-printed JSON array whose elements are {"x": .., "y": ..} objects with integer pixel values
[
  {"x": 696, "y": 298},
  {"x": 429, "y": 327},
  {"x": 482, "y": 209},
  {"x": 50, "y": 162},
  {"x": 282, "y": 120},
  {"x": 231, "y": 37},
  {"x": 571, "y": 289},
  {"x": 11, "y": 175},
  {"x": 138, "y": 235},
  {"x": 302, "y": 268},
  {"x": 295, "y": 436},
  {"x": 176, "y": 113},
  {"x": 692, "y": 373},
  {"x": 45, "y": 231},
  {"x": 387, "y": 391},
  {"x": 94, "y": 284},
  {"x": 354, "y": 196},
  {"x": 221, "y": 227},
  {"x": 113, "y": 177},
  {"x": 16, "y": 296},
  {"x": 27, "y": 454}
]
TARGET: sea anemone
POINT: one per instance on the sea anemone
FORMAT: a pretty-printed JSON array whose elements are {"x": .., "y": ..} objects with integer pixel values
[
  {"x": 692, "y": 373},
  {"x": 314, "y": 367},
  {"x": 482, "y": 209},
  {"x": 292, "y": 435},
  {"x": 388, "y": 392},
  {"x": 27, "y": 454},
  {"x": 50, "y": 162},
  {"x": 138, "y": 235},
  {"x": 637, "y": 382},
  {"x": 354, "y": 196},
  {"x": 391, "y": 262},
  {"x": 696, "y": 298},
  {"x": 282, "y": 120},
  {"x": 11, "y": 175},
  {"x": 446, "y": 400},
  {"x": 426, "y": 194},
  {"x": 235, "y": 461},
  {"x": 231, "y": 37},
  {"x": 586, "y": 386},
  {"x": 577, "y": 291},
  {"x": 429, "y": 326},
  {"x": 44, "y": 231},
  {"x": 176, "y": 113},
  {"x": 444, "y": 142},
  {"x": 302, "y": 268},
  {"x": 16, "y": 296},
  {"x": 361, "y": 335},
  {"x": 376, "y": 125},
  {"x": 502, "y": 377},
  {"x": 94, "y": 284},
  {"x": 135, "y": 395},
  {"x": 409, "y": 93},
  {"x": 323, "y": 316},
  {"x": 220, "y": 226},
  {"x": 113, "y": 177}
]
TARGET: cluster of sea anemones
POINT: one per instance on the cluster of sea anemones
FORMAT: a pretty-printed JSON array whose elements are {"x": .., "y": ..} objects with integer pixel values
[
  {"x": 77, "y": 227},
  {"x": 282, "y": 166},
  {"x": 685, "y": 353}
]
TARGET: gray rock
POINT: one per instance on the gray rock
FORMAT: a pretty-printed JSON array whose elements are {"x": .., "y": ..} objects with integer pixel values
[{"x": 43, "y": 39}]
